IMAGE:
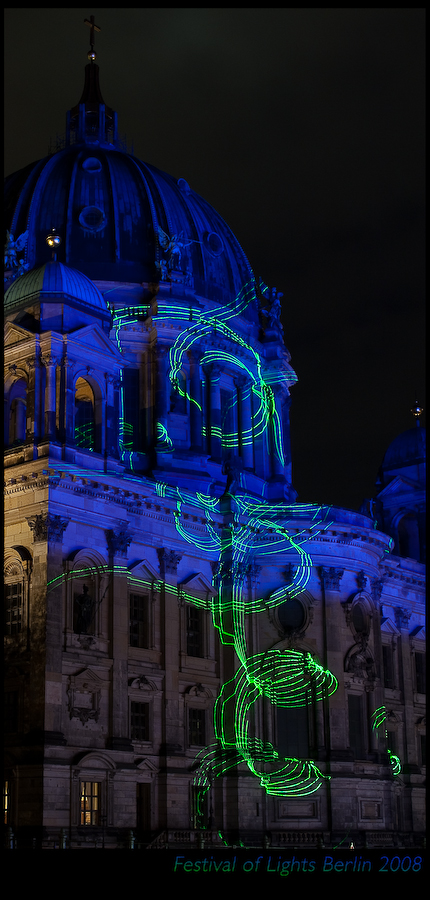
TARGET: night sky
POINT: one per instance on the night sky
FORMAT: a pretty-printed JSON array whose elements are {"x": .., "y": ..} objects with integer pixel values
[{"x": 304, "y": 128}]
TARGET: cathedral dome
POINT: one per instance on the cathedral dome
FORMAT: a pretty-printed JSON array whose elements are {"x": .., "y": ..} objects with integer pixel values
[
  {"x": 49, "y": 282},
  {"x": 120, "y": 219},
  {"x": 408, "y": 448}
]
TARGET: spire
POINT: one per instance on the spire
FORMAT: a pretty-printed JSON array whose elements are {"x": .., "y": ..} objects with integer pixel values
[
  {"x": 91, "y": 121},
  {"x": 91, "y": 53},
  {"x": 416, "y": 411}
]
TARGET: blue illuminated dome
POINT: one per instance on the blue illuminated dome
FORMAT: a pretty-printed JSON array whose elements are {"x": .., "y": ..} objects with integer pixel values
[
  {"x": 114, "y": 212},
  {"x": 407, "y": 449},
  {"x": 50, "y": 282}
]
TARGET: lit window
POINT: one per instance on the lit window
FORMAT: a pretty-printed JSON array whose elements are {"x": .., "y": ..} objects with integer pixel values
[
  {"x": 84, "y": 415},
  {"x": 6, "y": 802},
  {"x": 13, "y": 607},
  {"x": 90, "y": 803}
]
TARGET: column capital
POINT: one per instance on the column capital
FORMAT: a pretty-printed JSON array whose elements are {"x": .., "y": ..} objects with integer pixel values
[
  {"x": 118, "y": 541},
  {"x": 46, "y": 527},
  {"x": 169, "y": 561},
  {"x": 402, "y": 617},
  {"x": 49, "y": 359},
  {"x": 330, "y": 577}
]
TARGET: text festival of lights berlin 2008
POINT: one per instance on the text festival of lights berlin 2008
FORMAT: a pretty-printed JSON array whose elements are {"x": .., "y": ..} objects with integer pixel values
[{"x": 277, "y": 864}]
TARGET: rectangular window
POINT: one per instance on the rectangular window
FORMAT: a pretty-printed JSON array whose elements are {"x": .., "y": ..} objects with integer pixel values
[
  {"x": 356, "y": 726},
  {"x": 139, "y": 721},
  {"x": 196, "y": 727},
  {"x": 143, "y": 806},
  {"x": 420, "y": 672},
  {"x": 90, "y": 803},
  {"x": 388, "y": 665},
  {"x": 293, "y": 732},
  {"x": 392, "y": 741},
  {"x": 199, "y": 808},
  {"x": 194, "y": 632},
  {"x": 13, "y": 607},
  {"x": 139, "y": 621}
]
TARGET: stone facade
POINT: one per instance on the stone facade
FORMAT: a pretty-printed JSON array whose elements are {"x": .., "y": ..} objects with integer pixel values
[{"x": 167, "y": 599}]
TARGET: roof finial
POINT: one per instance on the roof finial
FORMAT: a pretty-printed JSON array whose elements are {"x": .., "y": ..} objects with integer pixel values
[
  {"x": 92, "y": 55},
  {"x": 416, "y": 411}
]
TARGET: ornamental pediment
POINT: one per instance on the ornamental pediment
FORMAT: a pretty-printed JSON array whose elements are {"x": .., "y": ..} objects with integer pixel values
[
  {"x": 399, "y": 485},
  {"x": 14, "y": 334},
  {"x": 197, "y": 584},
  {"x": 93, "y": 336},
  {"x": 419, "y": 633},
  {"x": 144, "y": 572},
  {"x": 388, "y": 627}
]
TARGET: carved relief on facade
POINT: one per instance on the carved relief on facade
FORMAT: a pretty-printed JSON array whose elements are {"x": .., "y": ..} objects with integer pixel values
[{"x": 84, "y": 693}]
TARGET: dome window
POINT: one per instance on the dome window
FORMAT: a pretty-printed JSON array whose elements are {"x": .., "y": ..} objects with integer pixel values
[
  {"x": 183, "y": 186},
  {"x": 92, "y": 218},
  {"x": 92, "y": 164},
  {"x": 359, "y": 619},
  {"x": 213, "y": 243}
]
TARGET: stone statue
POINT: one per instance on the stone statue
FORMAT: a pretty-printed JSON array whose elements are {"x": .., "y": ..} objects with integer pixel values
[
  {"x": 11, "y": 249},
  {"x": 172, "y": 247},
  {"x": 85, "y": 610},
  {"x": 274, "y": 312}
]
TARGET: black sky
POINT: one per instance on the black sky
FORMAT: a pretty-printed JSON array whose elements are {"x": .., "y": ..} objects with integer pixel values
[{"x": 305, "y": 129}]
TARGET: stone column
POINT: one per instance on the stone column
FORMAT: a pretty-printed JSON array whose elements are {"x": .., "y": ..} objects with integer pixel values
[
  {"x": 48, "y": 533},
  {"x": 196, "y": 411},
  {"x": 67, "y": 402},
  {"x": 334, "y": 738},
  {"x": 20, "y": 418},
  {"x": 34, "y": 399},
  {"x": 409, "y": 761},
  {"x": 213, "y": 424},
  {"x": 161, "y": 388},
  {"x": 277, "y": 440},
  {"x": 244, "y": 406},
  {"x": 50, "y": 363},
  {"x": 172, "y": 724},
  {"x": 111, "y": 417},
  {"x": 118, "y": 541}
]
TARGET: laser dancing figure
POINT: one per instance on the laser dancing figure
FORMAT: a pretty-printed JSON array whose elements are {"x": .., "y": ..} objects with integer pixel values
[{"x": 284, "y": 677}]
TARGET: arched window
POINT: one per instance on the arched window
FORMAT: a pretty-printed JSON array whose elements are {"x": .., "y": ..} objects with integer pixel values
[
  {"x": 85, "y": 426},
  {"x": 17, "y": 413},
  {"x": 17, "y": 572}
]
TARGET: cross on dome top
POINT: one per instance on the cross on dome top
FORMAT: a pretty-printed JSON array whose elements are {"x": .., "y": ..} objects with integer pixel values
[{"x": 90, "y": 22}]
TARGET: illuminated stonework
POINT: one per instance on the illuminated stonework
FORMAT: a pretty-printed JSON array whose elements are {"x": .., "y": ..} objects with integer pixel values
[{"x": 201, "y": 657}]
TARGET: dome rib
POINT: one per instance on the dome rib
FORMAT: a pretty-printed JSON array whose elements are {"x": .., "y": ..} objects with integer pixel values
[{"x": 135, "y": 199}]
